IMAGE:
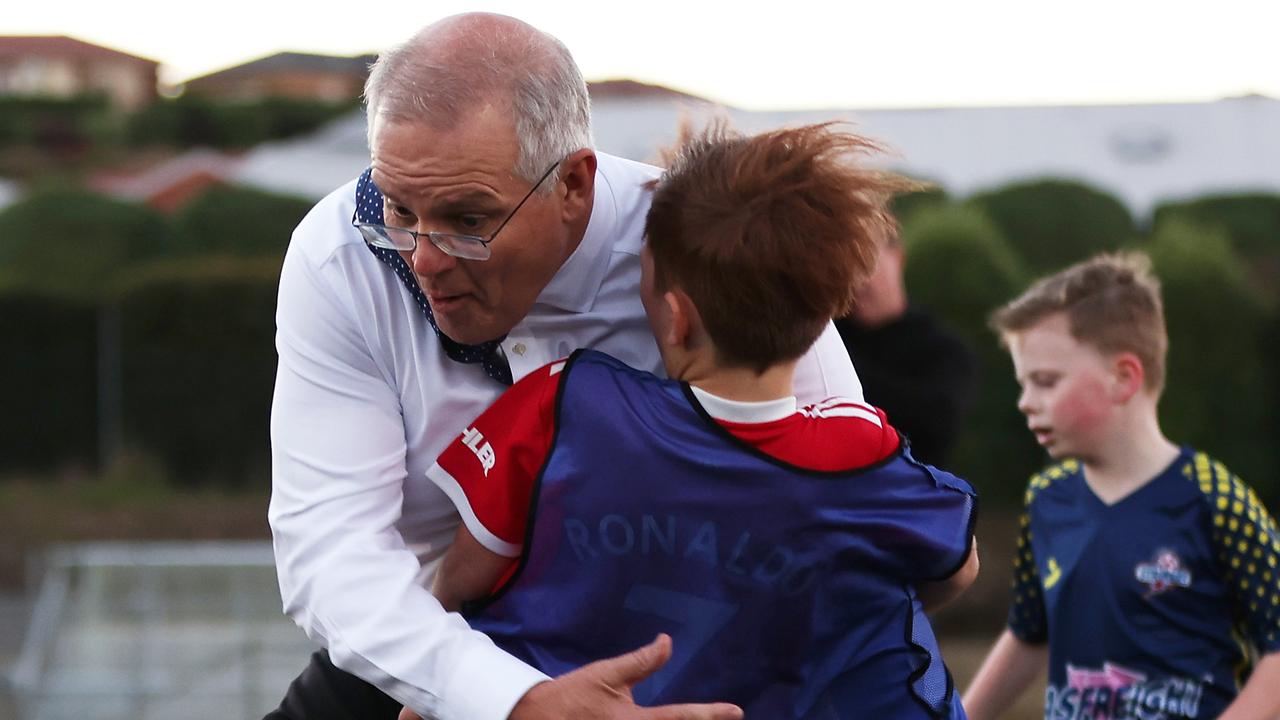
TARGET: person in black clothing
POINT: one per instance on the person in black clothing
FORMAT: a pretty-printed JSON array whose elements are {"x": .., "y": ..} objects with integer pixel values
[{"x": 917, "y": 370}]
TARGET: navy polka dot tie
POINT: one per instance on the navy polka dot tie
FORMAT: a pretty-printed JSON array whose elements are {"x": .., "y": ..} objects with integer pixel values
[{"x": 489, "y": 354}]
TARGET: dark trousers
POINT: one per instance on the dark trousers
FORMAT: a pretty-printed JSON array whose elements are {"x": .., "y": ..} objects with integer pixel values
[{"x": 323, "y": 692}]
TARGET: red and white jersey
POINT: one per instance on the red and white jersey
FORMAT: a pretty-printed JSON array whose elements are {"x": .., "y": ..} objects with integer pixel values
[{"x": 491, "y": 469}]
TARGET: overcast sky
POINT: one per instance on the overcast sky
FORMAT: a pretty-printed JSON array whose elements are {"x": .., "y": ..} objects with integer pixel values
[{"x": 792, "y": 54}]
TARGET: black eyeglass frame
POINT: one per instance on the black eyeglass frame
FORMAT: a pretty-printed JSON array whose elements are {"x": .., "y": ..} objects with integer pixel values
[{"x": 452, "y": 244}]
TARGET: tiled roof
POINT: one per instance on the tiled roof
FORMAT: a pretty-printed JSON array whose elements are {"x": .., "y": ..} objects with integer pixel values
[
  {"x": 62, "y": 46},
  {"x": 293, "y": 61},
  {"x": 622, "y": 89},
  {"x": 155, "y": 179}
]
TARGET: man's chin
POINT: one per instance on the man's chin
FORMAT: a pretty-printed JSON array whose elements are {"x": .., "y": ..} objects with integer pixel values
[
  {"x": 467, "y": 331},
  {"x": 461, "y": 337}
]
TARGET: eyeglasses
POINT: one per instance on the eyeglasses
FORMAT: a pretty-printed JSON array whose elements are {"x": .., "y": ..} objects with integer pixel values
[{"x": 466, "y": 247}]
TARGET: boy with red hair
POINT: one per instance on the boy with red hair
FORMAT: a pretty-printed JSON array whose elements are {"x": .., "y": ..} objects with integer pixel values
[{"x": 790, "y": 551}]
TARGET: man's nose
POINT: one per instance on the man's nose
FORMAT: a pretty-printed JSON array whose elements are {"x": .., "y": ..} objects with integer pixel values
[{"x": 429, "y": 260}]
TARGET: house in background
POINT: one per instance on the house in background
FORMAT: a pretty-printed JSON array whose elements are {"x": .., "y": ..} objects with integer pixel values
[
  {"x": 170, "y": 184},
  {"x": 62, "y": 67},
  {"x": 287, "y": 74}
]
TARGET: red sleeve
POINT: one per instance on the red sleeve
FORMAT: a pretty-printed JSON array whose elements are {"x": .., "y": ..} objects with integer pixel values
[
  {"x": 889, "y": 438},
  {"x": 489, "y": 470},
  {"x": 833, "y": 435},
  {"x": 871, "y": 437}
]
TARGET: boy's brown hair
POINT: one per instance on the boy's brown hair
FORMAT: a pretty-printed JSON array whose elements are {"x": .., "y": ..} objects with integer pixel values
[
  {"x": 769, "y": 235},
  {"x": 1112, "y": 302}
]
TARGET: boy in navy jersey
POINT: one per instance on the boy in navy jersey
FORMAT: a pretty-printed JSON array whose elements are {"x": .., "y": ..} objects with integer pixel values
[
  {"x": 789, "y": 551},
  {"x": 1145, "y": 572}
]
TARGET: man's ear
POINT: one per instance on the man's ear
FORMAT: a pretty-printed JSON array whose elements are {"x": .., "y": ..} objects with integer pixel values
[
  {"x": 578, "y": 177},
  {"x": 1129, "y": 375}
]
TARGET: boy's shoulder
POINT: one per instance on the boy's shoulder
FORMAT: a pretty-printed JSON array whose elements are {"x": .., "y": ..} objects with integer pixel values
[
  {"x": 1227, "y": 494},
  {"x": 1221, "y": 489},
  {"x": 1054, "y": 476},
  {"x": 610, "y": 366},
  {"x": 599, "y": 357}
]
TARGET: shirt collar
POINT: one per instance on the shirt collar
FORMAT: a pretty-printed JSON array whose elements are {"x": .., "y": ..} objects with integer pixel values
[
  {"x": 737, "y": 411},
  {"x": 577, "y": 283}
]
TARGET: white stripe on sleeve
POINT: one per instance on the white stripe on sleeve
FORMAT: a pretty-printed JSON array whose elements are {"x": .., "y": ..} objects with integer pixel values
[{"x": 450, "y": 486}]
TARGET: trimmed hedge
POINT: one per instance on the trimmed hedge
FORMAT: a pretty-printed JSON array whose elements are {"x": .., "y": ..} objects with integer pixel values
[
  {"x": 959, "y": 266},
  {"x": 74, "y": 243},
  {"x": 57, "y": 125},
  {"x": 191, "y": 120},
  {"x": 198, "y": 360},
  {"x": 199, "y": 366},
  {"x": 48, "y": 379},
  {"x": 1053, "y": 223},
  {"x": 1252, "y": 221},
  {"x": 1220, "y": 393},
  {"x": 240, "y": 221},
  {"x": 906, "y": 205}
]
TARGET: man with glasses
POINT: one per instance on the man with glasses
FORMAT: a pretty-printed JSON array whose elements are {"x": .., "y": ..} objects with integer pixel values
[
  {"x": 489, "y": 239},
  {"x": 466, "y": 247}
]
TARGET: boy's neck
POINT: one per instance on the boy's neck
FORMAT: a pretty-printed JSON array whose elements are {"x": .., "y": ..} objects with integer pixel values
[
  {"x": 741, "y": 384},
  {"x": 1135, "y": 453}
]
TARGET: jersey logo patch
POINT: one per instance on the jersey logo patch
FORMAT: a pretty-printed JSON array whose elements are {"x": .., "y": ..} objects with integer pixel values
[
  {"x": 1114, "y": 692},
  {"x": 1162, "y": 573},
  {"x": 1110, "y": 676},
  {"x": 1053, "y": 575},
  {"x": 472, "y": 438}
]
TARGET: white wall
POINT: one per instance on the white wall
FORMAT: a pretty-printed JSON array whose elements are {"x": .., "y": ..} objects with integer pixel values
[{"x": 1144, "y": 154}]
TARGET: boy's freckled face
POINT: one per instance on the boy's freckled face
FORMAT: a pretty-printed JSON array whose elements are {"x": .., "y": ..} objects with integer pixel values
[{"x": 1065, "y": 388}]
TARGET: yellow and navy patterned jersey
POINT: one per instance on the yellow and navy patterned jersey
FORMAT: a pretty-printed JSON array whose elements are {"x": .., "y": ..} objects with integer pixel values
[{"x": 1149, "y": 604}]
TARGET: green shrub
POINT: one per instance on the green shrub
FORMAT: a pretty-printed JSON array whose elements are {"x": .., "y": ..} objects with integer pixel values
[
  {"x": 1053, "y": 223},
  {"x": 48, "y": 383},
  {"x": 959, "y": 266},
  {"x": 56, "y": 125},
  {"x": 199, "y": 366},
  {"x": 1219, "y": 394},
  {"x": 75, "y": 243},
  {"x": 239, "y": 221},
  {"x": 192, "y": 120},
  {"x": 1251, "y": 221},
  {"x": 906, "y": 205},
  {"x": 289, "y": 117}
]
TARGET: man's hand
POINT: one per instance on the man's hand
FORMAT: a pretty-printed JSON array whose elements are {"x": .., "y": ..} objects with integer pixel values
[{"x": 602, "y": 691}]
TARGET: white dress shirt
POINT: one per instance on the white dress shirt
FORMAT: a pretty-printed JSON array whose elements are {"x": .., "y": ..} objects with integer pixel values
[{"x": 365, "y": 400}]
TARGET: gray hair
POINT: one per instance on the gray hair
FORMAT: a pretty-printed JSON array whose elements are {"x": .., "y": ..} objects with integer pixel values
[{"x": 457, "y": 65}]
